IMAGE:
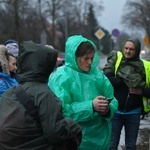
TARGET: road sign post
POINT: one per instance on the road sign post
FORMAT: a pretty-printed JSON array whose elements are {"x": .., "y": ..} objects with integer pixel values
[
  {"x": 115, "y": 33},
  {"x": 99, "y": 34}
]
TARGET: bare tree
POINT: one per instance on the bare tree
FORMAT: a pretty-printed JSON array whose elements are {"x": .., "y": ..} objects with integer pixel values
[
  {"x": 137, "y": 15},
  {"x": 25, "y": 20},
  {"x": 12, "y": 11},
  {"x": 122, "y": 37}
]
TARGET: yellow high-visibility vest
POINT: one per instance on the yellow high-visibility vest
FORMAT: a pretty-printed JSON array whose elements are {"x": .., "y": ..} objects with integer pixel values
[{"x": 146, "y": 101}]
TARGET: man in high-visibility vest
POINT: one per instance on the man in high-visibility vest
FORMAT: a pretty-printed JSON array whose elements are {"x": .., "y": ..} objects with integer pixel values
[{"x": 130, "y": 77}]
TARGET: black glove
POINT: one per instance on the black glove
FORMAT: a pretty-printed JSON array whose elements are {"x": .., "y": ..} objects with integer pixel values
[{"x": 74, "y": 142}]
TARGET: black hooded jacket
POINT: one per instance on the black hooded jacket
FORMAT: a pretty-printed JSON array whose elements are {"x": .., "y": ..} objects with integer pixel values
[{"x": 20, "y": 131}]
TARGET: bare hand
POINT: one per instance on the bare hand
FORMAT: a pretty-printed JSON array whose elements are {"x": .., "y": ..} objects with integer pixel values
[
  {"x": 136, "y": 91},
  {"x": 101, "y": 105}
]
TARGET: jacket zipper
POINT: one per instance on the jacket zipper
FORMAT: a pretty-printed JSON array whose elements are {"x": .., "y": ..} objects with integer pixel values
[{"x": 126, "y": 102}]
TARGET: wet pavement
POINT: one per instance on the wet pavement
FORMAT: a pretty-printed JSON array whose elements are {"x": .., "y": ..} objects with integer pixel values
[{"x": 143, "y": 141}]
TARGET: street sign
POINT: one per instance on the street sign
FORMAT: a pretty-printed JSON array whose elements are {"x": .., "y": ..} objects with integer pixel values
[
  {"x": 99, "y": 34},
  {"x": 146, "y": 40},
  {"x": 115, "y": 32}
]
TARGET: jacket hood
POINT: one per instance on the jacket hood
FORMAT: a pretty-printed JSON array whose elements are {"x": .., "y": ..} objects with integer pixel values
[
  {"x": 71, "y": 46},
  {"x": 3, "y": 60},
  {"x": 35, "y": 62},
  {"x": 137, "y": 47}
]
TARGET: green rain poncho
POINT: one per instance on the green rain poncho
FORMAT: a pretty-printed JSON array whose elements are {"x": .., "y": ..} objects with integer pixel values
[{"x": 77, "y": 90}]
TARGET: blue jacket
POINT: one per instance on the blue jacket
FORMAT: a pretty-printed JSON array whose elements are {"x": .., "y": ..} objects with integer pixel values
[{"x": 6, "y": 81}]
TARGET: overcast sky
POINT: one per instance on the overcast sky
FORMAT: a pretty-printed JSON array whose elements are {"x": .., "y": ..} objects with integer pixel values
[{"x": 111, "y": 16}]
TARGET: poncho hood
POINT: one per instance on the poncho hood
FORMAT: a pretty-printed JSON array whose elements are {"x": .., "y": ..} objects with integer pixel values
[
  {"x": 71, "y": 46},
  {"x": 33, "y": 65}
]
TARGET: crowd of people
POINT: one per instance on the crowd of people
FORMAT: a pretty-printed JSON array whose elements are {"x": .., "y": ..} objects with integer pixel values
[{"x": 76, "y": 106}]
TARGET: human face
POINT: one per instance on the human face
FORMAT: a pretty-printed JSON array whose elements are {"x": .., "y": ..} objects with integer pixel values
[
  {"x": 84, "y": 62},
  {"x": 12, "y": 64},
  {"x": 129, "y": 50}
]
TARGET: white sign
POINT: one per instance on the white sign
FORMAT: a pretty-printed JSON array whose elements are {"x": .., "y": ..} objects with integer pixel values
[{"x": 99, "y": 34}]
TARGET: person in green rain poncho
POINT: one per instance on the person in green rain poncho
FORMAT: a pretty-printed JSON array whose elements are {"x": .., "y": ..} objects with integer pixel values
[{"x": 84, "y": 91}]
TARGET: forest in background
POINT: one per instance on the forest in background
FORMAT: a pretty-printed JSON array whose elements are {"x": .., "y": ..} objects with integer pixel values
[{"x": 55, "y": 20}]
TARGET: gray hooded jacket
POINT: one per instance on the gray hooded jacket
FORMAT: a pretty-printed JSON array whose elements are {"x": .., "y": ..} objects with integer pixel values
[{"x": 20, "y": 131}]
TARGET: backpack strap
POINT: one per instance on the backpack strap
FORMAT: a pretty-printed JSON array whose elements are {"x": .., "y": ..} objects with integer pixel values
[{"x": 27, "y": 102}]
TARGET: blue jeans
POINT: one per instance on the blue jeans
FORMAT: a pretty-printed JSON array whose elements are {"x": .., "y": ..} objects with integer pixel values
[{"x": 131, "y": 125}]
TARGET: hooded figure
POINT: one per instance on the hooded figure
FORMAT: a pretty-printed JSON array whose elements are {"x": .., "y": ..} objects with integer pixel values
[
  {"x": 19, "y": 130},
  {"x": 77, "y": 89},
  {"x": 130, "y": 69},
  {"x": 130, "y": 77}
]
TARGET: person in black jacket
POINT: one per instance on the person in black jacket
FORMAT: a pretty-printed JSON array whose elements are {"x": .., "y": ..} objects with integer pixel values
[
  {"x": 18, "y": 129},
  {"x": 128, "y": 75}
]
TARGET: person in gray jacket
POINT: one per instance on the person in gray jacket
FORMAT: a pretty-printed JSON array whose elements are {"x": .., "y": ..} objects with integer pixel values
[{"x": 21, "y": 131}]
